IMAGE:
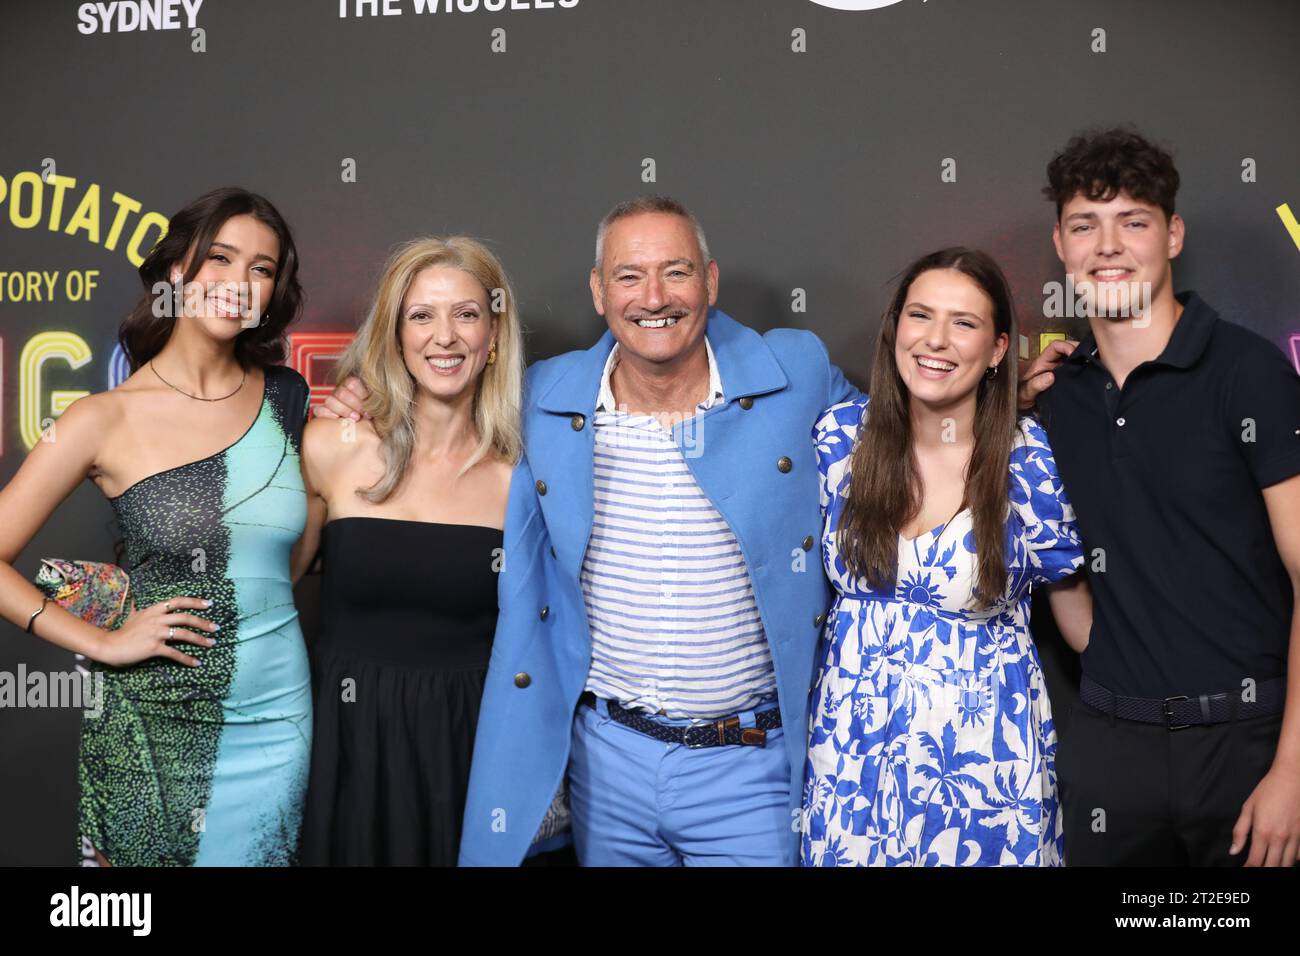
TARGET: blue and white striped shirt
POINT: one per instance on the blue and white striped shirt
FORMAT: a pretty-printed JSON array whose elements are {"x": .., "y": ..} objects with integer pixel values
[{"x": 674, "y": 625}]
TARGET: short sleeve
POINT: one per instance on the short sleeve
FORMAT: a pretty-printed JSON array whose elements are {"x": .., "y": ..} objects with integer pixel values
[
  {"x": 834, "y": 435},
  {"x": 1264, "y": 414},
  {"x": 1051, "y": 533}
]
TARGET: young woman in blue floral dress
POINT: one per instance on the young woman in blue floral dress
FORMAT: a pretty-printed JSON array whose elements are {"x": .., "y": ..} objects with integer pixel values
[{"x": 931, "y": 739}]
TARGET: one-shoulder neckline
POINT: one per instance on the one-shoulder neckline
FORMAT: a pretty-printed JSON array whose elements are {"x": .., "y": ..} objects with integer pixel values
[
  {"x": 261, "y": 409},
  {"x": 432, "y": 524}
]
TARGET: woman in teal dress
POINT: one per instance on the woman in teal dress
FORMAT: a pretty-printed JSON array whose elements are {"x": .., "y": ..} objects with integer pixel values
[{"x": 200, "y": 754}]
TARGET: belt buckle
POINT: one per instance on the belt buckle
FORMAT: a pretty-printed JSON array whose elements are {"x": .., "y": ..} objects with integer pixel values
[
  {"x": 1168, "y": 715},
  {"x": 688, "y": 738},
  {"x": 714, "y": 727}
]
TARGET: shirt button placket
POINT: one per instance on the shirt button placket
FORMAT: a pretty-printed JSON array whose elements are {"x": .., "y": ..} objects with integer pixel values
[
  {"x": 666, "y": 540},
  {"x": 665, "y": 575},
  {"x": 1114, "y": 396}
]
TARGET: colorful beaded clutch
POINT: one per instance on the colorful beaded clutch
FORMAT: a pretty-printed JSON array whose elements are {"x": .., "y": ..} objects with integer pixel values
[{"x": 97, "y": 593}]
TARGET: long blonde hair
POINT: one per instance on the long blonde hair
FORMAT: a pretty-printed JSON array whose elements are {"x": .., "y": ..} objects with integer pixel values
[{"x": 373, "y": 357}]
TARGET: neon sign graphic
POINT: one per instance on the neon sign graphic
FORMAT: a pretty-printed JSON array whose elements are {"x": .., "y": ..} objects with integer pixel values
[{"x": 310, "y": 354}]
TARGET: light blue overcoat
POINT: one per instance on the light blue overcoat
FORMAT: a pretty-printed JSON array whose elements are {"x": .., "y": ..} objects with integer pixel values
[{"x": 752, "y": 455}]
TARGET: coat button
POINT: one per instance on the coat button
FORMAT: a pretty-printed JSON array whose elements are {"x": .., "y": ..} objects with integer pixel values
[
  {"x": 819, "y": 620},
  {"x": 546, "y": 612},
  {"x": 522, "y": 679},
  {"x": 541, "y": 487},
  {"x": 808, "y": 543},
  {"x": 784, "y": 464},
  {"x": 746, "y": 403},
  {"x": 577, "y": 421}
]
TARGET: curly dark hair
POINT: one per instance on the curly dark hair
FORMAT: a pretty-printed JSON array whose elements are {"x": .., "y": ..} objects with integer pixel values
[
  {"x": 1100, "y": 164},
  {"x": 143, "y": 334}
]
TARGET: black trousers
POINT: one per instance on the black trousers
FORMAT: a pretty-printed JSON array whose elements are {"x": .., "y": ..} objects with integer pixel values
[{"x": 1137, "y": 794}]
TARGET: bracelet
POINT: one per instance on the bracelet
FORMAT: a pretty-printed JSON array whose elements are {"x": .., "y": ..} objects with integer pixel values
[{"x": 37, "y": 613}]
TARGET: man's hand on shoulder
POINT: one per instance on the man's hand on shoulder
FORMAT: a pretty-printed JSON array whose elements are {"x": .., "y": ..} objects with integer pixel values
[
  {"x": 346, "y": 401},
  {"x": 1038, "y": 376}
]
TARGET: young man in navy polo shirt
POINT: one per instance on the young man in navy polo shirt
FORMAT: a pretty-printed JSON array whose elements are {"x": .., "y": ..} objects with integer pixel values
[{"x": 1177, "y": 435}]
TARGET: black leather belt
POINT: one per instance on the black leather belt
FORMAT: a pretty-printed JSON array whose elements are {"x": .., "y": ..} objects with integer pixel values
[
  {"x": 1185, "y": 711},
  {"x": 725, "y": 731}
]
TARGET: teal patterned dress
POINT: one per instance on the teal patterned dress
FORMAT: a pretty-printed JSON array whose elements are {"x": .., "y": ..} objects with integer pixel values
[{"x": 208, "y": 765}]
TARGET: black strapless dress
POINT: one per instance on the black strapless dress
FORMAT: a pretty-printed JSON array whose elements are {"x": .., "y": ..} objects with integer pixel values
[{"x": 408, "y": 611}]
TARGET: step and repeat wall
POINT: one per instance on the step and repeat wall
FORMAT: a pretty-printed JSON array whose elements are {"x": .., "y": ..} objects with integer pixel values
[{"x": 824, "y": 144}]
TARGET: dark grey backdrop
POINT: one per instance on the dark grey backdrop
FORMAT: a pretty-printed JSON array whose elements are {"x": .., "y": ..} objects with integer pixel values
[{"x": 818, "y": 170}]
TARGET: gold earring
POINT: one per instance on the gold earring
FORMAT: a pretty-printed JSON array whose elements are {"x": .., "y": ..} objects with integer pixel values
[{"x": 492, "y": 354}]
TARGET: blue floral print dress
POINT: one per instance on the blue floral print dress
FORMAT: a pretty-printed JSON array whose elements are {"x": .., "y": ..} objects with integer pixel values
[{"x": 931, "y": 740}]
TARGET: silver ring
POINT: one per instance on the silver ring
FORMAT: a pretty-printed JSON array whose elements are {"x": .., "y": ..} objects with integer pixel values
[
  {"x": 171, "y": 631},
  {"x": 168, "y": 605}
]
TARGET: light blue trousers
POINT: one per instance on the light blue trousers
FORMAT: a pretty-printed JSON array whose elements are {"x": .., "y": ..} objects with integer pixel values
[{"x": 637, "y": 801}]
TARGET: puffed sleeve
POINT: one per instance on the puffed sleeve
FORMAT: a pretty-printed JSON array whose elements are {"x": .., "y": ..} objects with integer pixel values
[
  {"x": 834, "y": 435},
  {"x": 1038, "y": 498}
]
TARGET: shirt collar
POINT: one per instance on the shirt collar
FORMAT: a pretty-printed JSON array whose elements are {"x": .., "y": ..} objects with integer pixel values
[
  {"x": 605, "y": 397},
  {"x": 1186, "y": 344}
]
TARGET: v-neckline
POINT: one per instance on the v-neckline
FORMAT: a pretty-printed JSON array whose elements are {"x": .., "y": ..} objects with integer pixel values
[{"x": 941, "y": 528}]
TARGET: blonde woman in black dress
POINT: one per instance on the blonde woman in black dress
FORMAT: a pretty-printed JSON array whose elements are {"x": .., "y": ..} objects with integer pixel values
[{"x": 407, "y": 504}]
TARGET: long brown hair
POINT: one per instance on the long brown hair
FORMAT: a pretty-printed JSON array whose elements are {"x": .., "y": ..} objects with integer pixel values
[
  {"x": 144, "y": 333},
  {"x": 884, "y": 489}
]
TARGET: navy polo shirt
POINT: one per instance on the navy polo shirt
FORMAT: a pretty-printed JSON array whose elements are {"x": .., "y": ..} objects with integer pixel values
[{"x": 1166, "y": 474}]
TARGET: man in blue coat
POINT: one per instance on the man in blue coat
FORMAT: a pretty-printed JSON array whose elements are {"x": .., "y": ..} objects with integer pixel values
[{"x": 662, "y": 594}]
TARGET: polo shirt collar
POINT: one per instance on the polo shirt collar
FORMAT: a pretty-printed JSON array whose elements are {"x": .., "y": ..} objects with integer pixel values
[
  {"x": 605, "y": 397},
  {"x": 1186, "y": 345}
]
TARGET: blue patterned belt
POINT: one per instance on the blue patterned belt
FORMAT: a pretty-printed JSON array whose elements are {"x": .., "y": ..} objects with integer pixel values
[
  {"x": 726, "y": 731},
  {"x": 1182, "y": 710}
]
